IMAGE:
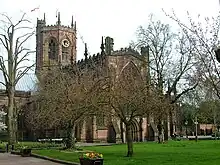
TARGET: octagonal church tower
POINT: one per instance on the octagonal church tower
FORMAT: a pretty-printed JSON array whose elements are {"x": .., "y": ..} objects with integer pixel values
[{"x": 55, "y": 44}]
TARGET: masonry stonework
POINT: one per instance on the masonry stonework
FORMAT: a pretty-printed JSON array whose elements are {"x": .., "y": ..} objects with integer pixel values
[{"x": 56, "y": 45}]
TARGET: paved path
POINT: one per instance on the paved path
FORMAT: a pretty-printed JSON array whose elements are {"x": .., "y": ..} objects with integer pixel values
[{"x": 10, "y": 159}]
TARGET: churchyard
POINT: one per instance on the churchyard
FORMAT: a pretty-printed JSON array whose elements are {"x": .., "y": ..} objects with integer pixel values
[
  {"x": 162, "y": 84},
  {"x": 182, "y": 152}
]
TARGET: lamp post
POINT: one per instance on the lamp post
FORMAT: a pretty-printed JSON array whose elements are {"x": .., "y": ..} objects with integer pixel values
[{"x": 186, "y": 123}]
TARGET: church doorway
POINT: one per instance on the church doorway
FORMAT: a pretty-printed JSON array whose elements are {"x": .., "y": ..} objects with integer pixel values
[
  {"x": 150, "y": 131},
  {"x": 89, "y": 130},
  {"x": 111, "y": 134}
]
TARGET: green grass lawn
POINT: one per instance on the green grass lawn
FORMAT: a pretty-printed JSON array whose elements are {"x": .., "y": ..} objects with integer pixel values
[{"x": 172, "y": 153}]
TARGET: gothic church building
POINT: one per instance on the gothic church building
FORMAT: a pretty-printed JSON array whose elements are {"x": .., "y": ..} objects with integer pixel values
[{"x": 56, "y": 44}]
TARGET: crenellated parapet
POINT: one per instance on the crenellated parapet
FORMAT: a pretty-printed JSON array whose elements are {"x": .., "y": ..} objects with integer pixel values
[
  {"x": 58, "y": 27},
  {"x": 42, "y": 23},
  {"x": 91, "y": 62},
  {"x": 125, "y": 51}
]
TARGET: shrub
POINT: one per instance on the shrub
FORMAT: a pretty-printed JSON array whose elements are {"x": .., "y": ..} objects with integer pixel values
[
  {"x": 2, "y": 144},
  {"x": 36, "y": 145}
]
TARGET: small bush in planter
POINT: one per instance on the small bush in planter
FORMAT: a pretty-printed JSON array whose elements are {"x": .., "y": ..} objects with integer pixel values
[
  {"x": 25, "y": 151},
  {"x": 91, "y": 158}
]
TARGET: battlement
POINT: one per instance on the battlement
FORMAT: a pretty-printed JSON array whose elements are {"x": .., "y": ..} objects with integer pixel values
[
  {"x": 93, "y": 60},
  {"x": 54, "y": 27},
  {"x": 97, "y": 59},
  {"x": 42, "y": 23},
  {"x": 125, "y": 51},
  {"x": 57, "y": 27}
]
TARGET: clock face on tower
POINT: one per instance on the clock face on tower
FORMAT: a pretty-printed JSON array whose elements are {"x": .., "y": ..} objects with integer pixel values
[{"x": 65, "y": 43}]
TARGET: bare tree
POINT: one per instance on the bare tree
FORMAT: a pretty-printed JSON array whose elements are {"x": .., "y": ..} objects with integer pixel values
[
  {"x": 203, "y": 35},
  {"x": 171, "y": 59},
  {"x": 129, "y": 98},
  {"x": 12, "y": 59},
  {"x": 159, "y": 38},
  {"x": 64, "y": 99}
]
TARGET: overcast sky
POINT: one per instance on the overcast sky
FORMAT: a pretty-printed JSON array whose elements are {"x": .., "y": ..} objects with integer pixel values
[{"x": 95, "y": 18}]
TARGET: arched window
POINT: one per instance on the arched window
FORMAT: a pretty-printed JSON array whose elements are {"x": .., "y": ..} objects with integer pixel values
[{"x": 52, "y": 51}]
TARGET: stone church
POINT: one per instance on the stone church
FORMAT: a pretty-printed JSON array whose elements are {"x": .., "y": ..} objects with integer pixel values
[{"x": 56, "y": 44}]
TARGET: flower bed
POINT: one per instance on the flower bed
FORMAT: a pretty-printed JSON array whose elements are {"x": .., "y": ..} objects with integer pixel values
[{"x": 91, "y": 158}]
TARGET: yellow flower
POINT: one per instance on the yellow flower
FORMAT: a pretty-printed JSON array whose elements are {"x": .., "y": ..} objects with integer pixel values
[{"x": 92, "y": 155}]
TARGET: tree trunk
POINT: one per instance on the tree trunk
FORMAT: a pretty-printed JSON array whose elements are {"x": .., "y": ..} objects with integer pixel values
[
  {"x": 129, "y": 140},
  {"x": 70, "y": 143},
  {"x": 11, "y": 117},
  {"x": 141, "y": 130},
  {"x": 165, "y": 130},
  {"x": 15, "y": 126},
  {"x": 160, "y": 132},
  {"x": 122, "y": 131}
]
